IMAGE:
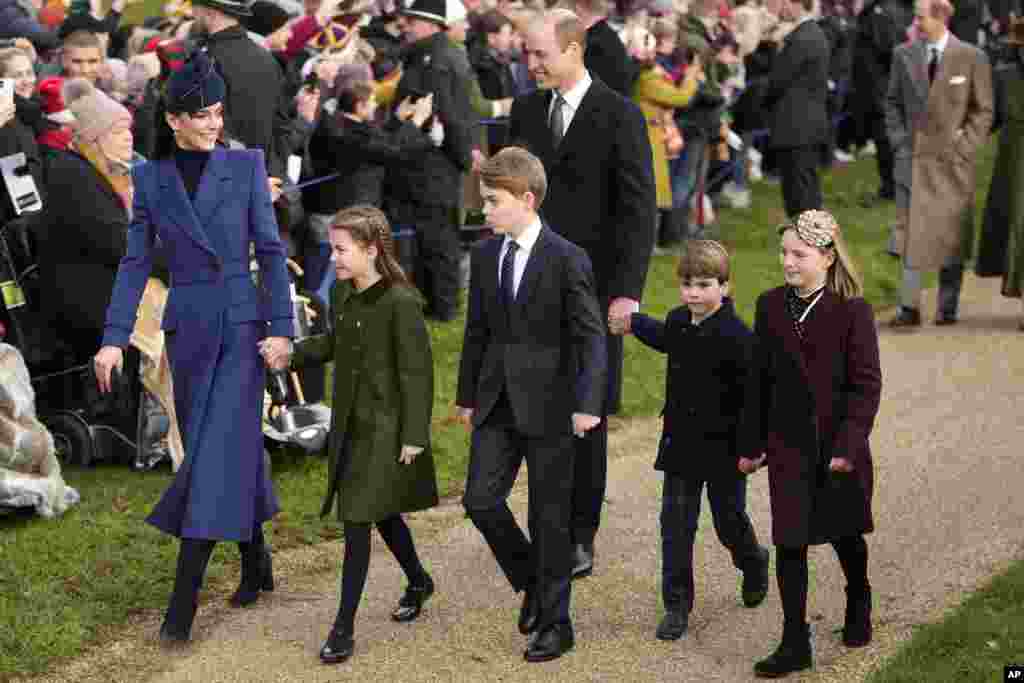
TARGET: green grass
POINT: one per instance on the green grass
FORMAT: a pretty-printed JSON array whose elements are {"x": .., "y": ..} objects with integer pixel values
[
  {"x": 971, "y": 645},
  {"x": 64, "y": 583}
]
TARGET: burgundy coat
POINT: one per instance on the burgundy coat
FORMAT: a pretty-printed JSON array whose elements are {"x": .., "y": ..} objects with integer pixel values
[{"x": 810, "y": 402}]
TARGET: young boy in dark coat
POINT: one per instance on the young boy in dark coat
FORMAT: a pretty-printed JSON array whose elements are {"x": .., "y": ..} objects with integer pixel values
[{"x": 709, "y": 357}]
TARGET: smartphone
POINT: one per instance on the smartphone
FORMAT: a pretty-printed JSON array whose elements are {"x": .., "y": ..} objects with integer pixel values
[{"x": 6, "y": 92}]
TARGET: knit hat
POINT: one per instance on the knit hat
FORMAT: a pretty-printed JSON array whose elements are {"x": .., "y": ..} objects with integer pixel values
[
  {"x": 233, "y": 8},
  {"x": 95, "y": 112},
  {"x": 51, "y": 95},
  {"x": 443, "y": 12},
  {"x": 197, "y": 85}
]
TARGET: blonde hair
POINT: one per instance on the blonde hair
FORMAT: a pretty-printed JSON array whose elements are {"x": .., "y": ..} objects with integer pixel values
[
  {"x": 9, "y": 53},
  {"x": 368, "y": 226}
]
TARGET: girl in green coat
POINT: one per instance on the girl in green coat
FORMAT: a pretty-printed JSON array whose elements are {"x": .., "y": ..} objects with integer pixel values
[{"x": 380, "y": 460}]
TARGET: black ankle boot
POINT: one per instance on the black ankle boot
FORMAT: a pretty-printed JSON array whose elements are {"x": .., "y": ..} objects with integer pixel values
[
  {"x": 193, "y": 556},
  {"x": 177, "y": 625},
  {"x": 257, "y": 570},
  {"x": 794, "y": 653},
  {"x": 857, "y": 624}
]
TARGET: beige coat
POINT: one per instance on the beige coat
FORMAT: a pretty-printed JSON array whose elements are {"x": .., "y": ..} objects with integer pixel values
[{"x": 935, "y": 134}]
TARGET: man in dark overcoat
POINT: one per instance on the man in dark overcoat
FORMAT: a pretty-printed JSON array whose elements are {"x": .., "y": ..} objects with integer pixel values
[
  {"x": 796, "y": 93},
  {"x": 601, "y": 196}
]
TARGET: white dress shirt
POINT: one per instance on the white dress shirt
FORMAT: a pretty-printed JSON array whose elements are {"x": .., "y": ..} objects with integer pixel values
[
  {"x": 573, "y": 98},
  {"x": 939, "y": 47},
  {"x": 526, "y": 240}
]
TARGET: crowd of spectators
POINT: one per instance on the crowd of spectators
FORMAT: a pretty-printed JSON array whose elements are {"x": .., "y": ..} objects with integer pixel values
[{"x": 366, "y": 101}]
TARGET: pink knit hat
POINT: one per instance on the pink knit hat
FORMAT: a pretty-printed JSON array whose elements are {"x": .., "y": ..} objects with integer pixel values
[{"x": 95, "y": 112}]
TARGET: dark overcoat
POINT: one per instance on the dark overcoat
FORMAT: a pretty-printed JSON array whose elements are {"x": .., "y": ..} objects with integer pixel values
[
  {"x": 811, "y": 401},
  {"x": 214, "y": 320},
  {"x": 1001, "y": 247},
  {"x": 796, "y": 91},
  {"x": 705, "y": 389},
  {"x": 382, "y": 400},
  {"x": 601, "y": 194}
]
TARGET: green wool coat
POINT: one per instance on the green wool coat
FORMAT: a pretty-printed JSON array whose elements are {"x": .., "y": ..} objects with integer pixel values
[{"x": 383, "y": 396}]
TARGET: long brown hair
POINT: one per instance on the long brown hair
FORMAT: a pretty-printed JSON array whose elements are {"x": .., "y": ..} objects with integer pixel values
[{"x": 368, "y": 226}]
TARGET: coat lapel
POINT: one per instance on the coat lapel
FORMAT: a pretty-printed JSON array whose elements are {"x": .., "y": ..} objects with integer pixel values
[
  {"x": 214, "y": 186},
  {"x": 176, "y": 205},
  {"x": 919, "y": 70},
  {"x": 534, "y": 267},
  {"x": 579, "y": 132}
]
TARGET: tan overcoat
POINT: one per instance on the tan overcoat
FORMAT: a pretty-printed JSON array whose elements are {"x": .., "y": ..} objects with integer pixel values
[{"x": 935, "y": 133}]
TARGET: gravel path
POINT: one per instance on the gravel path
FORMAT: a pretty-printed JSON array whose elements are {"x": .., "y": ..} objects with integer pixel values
[{"x": 948, "y": 508}]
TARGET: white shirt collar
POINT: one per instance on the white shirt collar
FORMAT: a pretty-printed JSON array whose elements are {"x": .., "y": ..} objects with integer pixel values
[
  {"x": 526, "y": 239},
  {"x": 574, "y": 95},
  {"x": 940, "y": 45}
]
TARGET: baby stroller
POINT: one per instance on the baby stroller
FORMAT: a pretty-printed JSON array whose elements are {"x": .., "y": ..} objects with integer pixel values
[
  {"x": 85, "y": 426},
  {"x": 288, "y": 419}
]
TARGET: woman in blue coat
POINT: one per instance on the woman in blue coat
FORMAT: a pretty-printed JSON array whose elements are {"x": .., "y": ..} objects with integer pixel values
[{"x": 203, "y": 207}]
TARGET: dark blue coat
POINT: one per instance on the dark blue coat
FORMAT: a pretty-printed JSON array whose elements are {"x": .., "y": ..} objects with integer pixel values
[
  {"x": 214, "y": 320},
  {"x": 705, "y": 389}
]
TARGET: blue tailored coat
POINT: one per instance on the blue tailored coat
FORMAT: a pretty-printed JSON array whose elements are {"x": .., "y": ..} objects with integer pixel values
[{"x": 214, "y": 320}]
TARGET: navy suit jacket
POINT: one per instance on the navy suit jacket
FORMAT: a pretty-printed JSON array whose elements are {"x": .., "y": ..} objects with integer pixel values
[
  {"x": 206, "y": 243},
  {"x": 548, "y": 351}
]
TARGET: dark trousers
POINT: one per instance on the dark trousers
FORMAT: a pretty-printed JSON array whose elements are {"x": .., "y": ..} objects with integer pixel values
[
  {"x": 680, "y": 513},
  {"x": 791, "y": 574},
  {"x": 437, "y": 268},
  {"x": 798, "y": 168},
  {"x": 884, "y": 154},
  {"x": 544, "y": 562},
  {"x": 590, "y": 466},
  {"x": 356, "y": 566}
]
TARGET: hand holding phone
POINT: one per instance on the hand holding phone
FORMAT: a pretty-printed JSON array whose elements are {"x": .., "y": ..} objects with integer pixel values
[{"x": 6, "y": 101}]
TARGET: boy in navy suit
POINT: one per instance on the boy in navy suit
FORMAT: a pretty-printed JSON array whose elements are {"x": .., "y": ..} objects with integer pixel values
[
  {"x": 709, "y": 357},
  {"x": 531, "y": 378}
]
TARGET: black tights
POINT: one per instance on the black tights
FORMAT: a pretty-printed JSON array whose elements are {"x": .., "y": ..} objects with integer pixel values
[
  {"x": 398, "y": 538},
  {"x": 791, "y": 573}
]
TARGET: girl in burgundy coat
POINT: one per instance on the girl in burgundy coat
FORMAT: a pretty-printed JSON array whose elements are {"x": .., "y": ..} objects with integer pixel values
[{"x": 815, "y": 394}]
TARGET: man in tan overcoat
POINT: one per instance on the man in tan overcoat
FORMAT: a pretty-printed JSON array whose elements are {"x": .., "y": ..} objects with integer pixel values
[{"x": 938, "y": 113}]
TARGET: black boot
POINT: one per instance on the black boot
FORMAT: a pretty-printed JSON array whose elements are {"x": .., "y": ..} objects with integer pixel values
[
  {"x": 257, "y": 571},
  {"x": 755, "y": 580},
  {"x": 794, "y": 653},
  {"x": 193, "y": 557},
  {"x": 857, "y": 624}
]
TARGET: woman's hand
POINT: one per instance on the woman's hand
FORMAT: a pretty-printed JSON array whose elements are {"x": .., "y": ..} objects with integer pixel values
[
  {"x": 422, "y": 110},
  {"x": 276, "y": 352},
  {"x": 620, "y": 325},
  {"x": 108, "y": 358},
  {"x": 274, "y": 185},
  {"x": 840, "y": 465},
  {"x": 749, "y": 466},
  {"x": 409, "y": 454}
]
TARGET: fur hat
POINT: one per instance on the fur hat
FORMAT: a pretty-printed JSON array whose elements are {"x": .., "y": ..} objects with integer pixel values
[{"x": 95, "y": 111}]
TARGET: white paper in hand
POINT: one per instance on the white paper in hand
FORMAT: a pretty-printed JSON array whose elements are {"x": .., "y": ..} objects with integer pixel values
[{"x": 294, "y": 168}]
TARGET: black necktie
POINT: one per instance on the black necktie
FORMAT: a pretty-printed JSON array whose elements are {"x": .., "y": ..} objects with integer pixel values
[
  {"x": 508, "y": 285},
  {"x": 557, "y": 121},
  {"x": 933, "y": 64}
]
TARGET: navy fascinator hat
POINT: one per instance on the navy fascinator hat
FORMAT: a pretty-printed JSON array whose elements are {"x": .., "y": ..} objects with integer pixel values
[{"x": 197, "y": 85}]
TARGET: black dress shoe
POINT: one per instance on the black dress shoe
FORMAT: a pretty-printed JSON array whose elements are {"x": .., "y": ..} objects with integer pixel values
[
  {"x": 756, "y": 580},
  {"x": 551, "y": 643},
  {"x": 794, "y": 653},
  {"x": 673, "y": 625},
  {"x": 260, "y": 578},
  {"x": 529, "y": 612},
  {"x": 411, "y": 604},
  {"x": 583, "y": 560},
  {"x": 908, "y": 319},
  {"x": 946, "y": 319},
  {"x": 338, "y": 648}
]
